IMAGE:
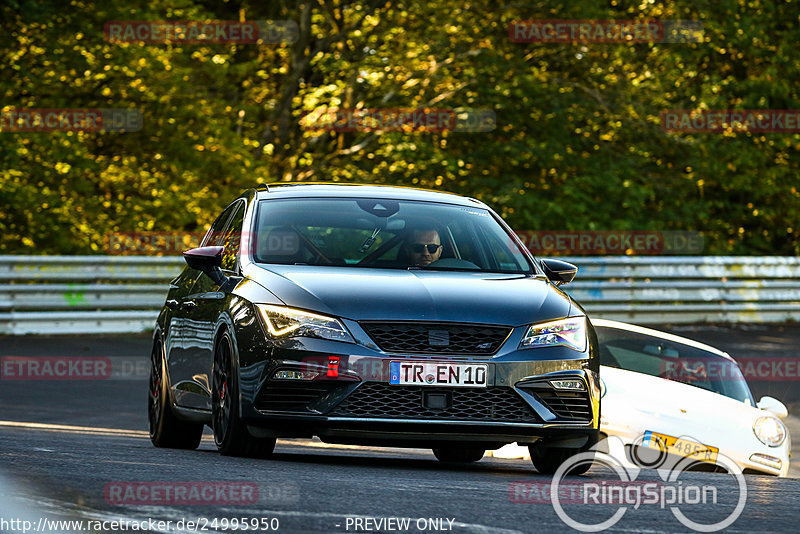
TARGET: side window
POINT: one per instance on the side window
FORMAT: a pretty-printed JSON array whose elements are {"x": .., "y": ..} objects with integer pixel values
[
  {"x": 232, "y": 238},
  {"x": 214, "y": 235}
]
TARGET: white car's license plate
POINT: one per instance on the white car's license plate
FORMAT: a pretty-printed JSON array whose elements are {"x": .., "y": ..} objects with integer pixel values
[{"x": 470, "y": 375}]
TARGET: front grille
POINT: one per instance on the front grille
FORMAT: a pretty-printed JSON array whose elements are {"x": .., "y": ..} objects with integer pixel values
[
  {"x": 466, "y": 404},
  {"x": 570, "y": 405},
  {"x": 291, "y": 396},
  {"x": 437, "y": 338}
]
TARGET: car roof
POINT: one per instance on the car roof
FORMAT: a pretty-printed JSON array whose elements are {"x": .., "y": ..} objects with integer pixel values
[
  {"x": 339, "y": 190},
  {"x": 657, "y": 333}
]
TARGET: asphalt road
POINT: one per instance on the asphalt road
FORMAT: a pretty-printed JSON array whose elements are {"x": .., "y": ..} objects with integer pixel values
[{"x": 79, "y": 450}]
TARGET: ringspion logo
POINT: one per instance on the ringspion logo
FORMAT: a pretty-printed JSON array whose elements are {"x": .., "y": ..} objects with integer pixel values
[{"x": 592, "y": 505}]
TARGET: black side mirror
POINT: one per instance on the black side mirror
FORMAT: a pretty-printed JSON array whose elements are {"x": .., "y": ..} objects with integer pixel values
[
  {"x": 559, "y": 272},
  {"x": 207, "y": 260}
]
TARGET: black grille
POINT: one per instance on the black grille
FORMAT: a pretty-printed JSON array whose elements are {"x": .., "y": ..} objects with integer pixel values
[
  {"x": 290, "y": 396},
  {"x": 466, "y": 404},
  {"x": 437, "y": 338},
  {"x": 570, "y": 405}
]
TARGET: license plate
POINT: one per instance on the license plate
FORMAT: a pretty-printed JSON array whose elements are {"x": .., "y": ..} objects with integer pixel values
[
  {"x": 469, "y": 375},
  {"x": 680, "y": 447}
]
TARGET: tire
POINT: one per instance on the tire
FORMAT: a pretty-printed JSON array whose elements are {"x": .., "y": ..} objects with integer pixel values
[
  {"x": 462, "y": 455},
  {"x": 230, "y": 432},
  {"x": 547, "y": 460},
  {"x": 166, "y": 430}
]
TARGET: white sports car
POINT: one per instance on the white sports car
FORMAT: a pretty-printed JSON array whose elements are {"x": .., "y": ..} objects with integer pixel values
[{"x": 666, "y": 396}]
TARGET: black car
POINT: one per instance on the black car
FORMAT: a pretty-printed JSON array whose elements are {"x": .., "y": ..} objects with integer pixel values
[{"x": 372, "y": 315}]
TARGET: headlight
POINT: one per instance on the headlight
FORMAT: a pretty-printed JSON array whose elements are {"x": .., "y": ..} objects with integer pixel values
[
  {"x": 570, "y": 332},
  {"x": 285, "y": 322},
  {"x": 769, "y": 431}
]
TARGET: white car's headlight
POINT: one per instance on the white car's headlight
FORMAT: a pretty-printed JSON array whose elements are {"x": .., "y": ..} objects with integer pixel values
[
  {"x": 769, "y": 431},
  {"x": 570, "y": 332},
  {"x": 286, "y": 322}
]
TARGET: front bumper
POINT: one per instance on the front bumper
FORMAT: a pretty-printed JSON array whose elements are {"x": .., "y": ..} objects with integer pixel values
[
  {"x": 415, "y": 432},
  {"x": 358, "y": 405},
  {"x": 744, "y": 453}
]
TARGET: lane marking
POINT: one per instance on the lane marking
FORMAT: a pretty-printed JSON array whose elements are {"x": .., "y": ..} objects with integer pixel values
[
  {"x": 75, "y": 429},
  {"x": 282, "y": 444},
  {"x": 71, "y": 429}
]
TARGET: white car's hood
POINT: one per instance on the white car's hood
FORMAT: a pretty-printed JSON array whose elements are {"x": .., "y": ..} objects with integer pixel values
[{"x": 635, "y": 402}]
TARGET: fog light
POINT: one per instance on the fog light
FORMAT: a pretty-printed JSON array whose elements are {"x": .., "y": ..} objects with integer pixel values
[
  {"x": 572, "y": 385},
  {"x": 286, "y": 374},
  {"x": 765, "y": 459}
]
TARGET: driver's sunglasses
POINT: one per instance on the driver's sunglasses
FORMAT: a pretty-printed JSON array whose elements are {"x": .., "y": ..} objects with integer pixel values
[{"x": 419, "y": 248}]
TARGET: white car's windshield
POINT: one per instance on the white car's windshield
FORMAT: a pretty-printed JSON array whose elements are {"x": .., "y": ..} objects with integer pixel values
[
  {"x": 670, "y": 360},
  {"x": 384, "y": 233}
]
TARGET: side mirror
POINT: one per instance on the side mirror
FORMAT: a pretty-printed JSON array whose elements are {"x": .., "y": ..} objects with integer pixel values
[
  {"x": 559, "y": 272},
  {"x": 773, "y": 405},
  {"x": 207, "y": 260}
]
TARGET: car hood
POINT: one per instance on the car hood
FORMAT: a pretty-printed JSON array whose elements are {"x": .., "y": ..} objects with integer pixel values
[
  {"x": 641, "y": 402},
  {"x": 395, "y": 294}
]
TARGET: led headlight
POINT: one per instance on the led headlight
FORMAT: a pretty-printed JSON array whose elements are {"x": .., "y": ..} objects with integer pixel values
[
  {"x": 285, "y": 322},
  {"x": 769, "y": 431},
  {"x": 569, "y": 332}
]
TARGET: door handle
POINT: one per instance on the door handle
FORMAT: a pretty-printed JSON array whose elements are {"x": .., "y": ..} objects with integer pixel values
[{"x": 173, "y": 304}]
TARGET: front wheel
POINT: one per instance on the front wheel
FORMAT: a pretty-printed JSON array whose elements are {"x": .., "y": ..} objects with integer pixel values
[
  {"x": 166, "y": 430},
  {"x": 547, "y": 459},
  {"x": 464, "y": 455},
  {"x": 230, "y": 432}
]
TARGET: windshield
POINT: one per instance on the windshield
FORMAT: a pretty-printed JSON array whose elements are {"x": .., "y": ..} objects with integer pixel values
[
  {"x": 381, "y": 233},
  {"x": 659, "y": 357}
]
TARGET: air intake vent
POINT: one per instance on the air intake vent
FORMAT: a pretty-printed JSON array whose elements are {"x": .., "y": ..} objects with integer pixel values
[
  {"x": 407, "y": 402},
  {"x": 567, "y": 405},
  {"x": 437, "y": 338},
  {"x": 280, "y": 396}
]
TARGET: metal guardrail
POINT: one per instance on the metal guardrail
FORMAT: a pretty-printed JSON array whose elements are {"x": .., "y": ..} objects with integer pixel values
[
  {"x": 122, "y": 294},
  {"x": 83, "y": 294},
  {"x": 688, "y": 289}
]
